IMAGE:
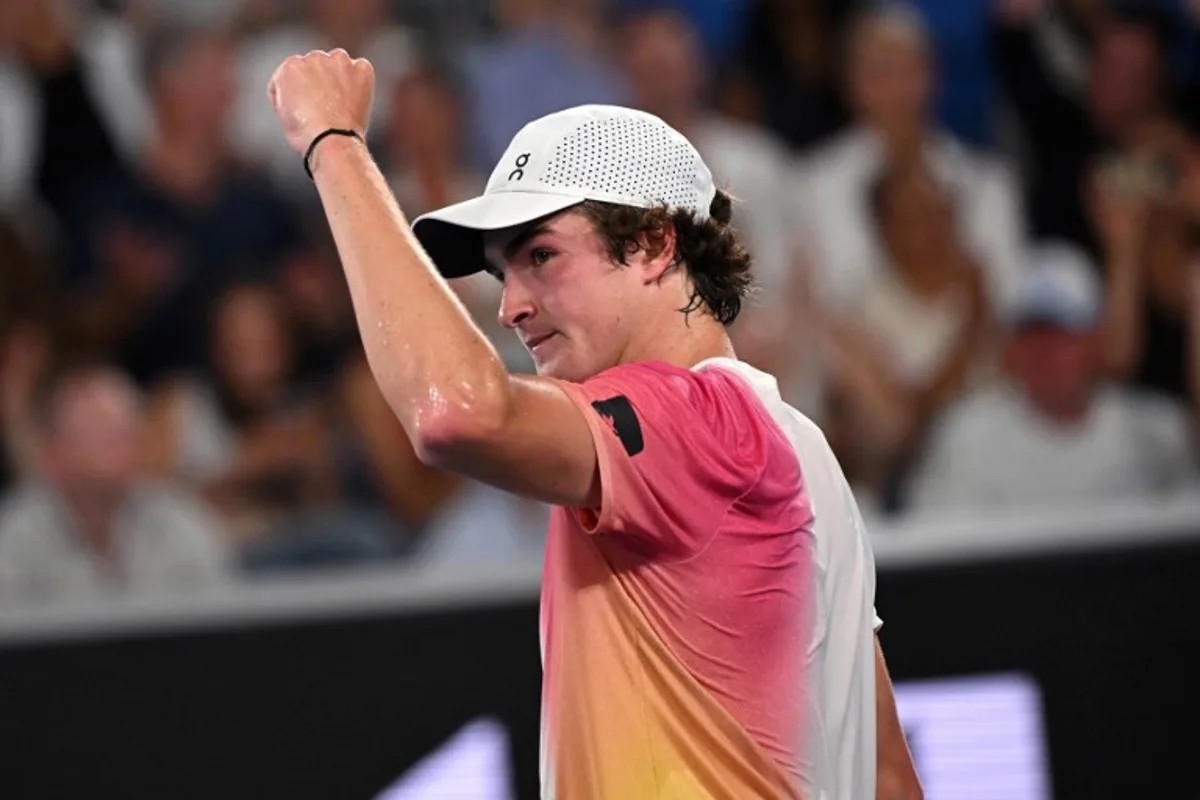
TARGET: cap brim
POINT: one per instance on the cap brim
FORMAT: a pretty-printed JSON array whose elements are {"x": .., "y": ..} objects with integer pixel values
[{"x": 453, "y": 236}]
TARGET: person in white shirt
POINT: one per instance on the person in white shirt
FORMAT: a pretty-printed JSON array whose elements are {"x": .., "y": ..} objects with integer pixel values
[
  {"x": 891, "y": 80},
  {"x": 94, "y": 527},
  {"x": 1054, "y": 432}
]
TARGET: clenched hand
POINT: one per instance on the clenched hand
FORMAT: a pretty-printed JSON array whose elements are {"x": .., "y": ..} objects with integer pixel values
[{"x": 322, "y": 90}]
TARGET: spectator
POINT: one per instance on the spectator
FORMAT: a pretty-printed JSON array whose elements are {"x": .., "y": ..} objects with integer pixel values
[
  {"x": 909, "y": 340},
  {"x": 548, "y": 55},
  {"x": 427, "y": 170},
  {"x": 26, "y": 329},
  {"x": 890, "y": 78},
  {"x": 316, "y": 299},
  {"x": 96, "y": 526},
  {"x": 379, "y": 467},
  {"x": 1055, "y": 432},
  {"x": 423, "y": 144},
  {"x": 788, "y": 66},
  {"x": 70, "y": 103},
  {"x": 1145, "y": 211},
  {"x": 151, "y": 247},
  {"x": 240, "y": 432},
  {"x": 1122, "y": 99},
  {"x": 361, "y": 27}
]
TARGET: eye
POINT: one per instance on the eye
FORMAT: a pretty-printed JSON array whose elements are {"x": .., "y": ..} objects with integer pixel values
[{"x": 540, "y": 255}]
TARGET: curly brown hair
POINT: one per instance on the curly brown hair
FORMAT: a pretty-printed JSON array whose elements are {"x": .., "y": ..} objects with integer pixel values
[{"x": 716, "y": 260}]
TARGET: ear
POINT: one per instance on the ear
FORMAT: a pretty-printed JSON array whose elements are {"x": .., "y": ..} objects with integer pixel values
[{"x": 656, "y": 253}]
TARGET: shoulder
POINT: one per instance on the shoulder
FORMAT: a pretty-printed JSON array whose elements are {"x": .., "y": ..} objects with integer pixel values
[
  {"x": 21, "y": 502},
  {"x": 677, "y": 388},
  {"x": 22, "y": 515},
  {"x": 706, "y": 407},
  {"x": 1149, "y": 411}
]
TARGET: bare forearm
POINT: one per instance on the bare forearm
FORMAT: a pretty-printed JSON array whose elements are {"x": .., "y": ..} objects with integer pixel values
[
  {"x": 950, "y": 379},
  {"x": 426, "y": 354},
  {"x": 896, "y": 775},
  {"x": 1122, "y": 316},
  {"x": 1193, "y": 348}
]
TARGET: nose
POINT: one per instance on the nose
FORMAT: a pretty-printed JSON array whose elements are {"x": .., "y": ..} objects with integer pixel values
[{"x": 516, "y": 303}]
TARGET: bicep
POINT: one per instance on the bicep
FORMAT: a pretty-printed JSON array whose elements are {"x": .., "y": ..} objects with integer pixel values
[{"x": 543, "y": 449}]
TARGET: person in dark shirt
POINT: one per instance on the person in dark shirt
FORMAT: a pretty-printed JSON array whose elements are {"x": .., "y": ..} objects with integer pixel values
[{"x": 150, "y": 246}]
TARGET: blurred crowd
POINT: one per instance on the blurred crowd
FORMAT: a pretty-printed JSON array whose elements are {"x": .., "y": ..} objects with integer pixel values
[{"x": 976, "y": 229}]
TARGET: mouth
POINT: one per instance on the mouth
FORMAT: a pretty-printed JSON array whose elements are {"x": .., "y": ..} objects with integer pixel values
[{"x": 534, "y": 342}]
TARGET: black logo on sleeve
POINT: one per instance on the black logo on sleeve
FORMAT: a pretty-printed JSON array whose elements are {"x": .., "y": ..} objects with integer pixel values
[
  {"x": 619, "y": 413},
  {"x": 519, "y": 172}
]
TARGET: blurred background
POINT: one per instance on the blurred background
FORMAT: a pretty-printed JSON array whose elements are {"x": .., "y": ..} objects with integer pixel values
[{"x": 223, "y": 571}]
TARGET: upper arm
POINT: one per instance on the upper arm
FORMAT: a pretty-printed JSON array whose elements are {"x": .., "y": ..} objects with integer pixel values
[
  {"x": 653, "y": 455},
  {"x": 540, "y": 448}
]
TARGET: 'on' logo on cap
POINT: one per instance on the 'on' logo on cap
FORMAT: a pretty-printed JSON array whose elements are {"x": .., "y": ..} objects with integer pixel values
[{"x": 519, "y": 172}]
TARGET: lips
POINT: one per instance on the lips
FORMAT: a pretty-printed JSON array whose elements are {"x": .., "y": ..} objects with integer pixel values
[{"x": 533, "y": 341}]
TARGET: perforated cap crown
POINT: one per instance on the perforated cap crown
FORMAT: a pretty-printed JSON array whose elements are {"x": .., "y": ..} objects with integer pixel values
[{"x": 606, "y": 153}]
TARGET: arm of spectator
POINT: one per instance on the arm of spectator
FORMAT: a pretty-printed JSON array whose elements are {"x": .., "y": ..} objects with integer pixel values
[
  {"x": 871, "y": 401},
  {"x": 1193, "y": 346},
  {"x": 1050, "y": 117},
  {"x": 163, "y": 425},
  {"x": 289, "y": 448},
  {"x": 321, "y": 481},
  {"x": 951, "y": 377},
  {"x": 1121, "y": 222},
  {"x": 24, "y": 359},
  {"x": 895, "y": 774},
  {"x": 413, "y": 491}
]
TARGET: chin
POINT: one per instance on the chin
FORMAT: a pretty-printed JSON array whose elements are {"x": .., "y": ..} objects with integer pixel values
[{"x": 563, "y": 368}]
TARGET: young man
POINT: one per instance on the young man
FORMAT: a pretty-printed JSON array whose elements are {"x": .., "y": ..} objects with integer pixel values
[{"x": 694, "y": 643}]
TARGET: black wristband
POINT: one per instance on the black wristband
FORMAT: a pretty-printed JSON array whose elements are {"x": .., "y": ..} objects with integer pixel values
[{"x": 330, "y": 132}]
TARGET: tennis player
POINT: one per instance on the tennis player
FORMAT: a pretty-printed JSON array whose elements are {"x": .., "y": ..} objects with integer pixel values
[{"x": 707, "y": 599}]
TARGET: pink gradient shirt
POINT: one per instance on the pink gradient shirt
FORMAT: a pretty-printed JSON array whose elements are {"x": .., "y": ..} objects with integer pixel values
[{"x": 675, "y": 618}]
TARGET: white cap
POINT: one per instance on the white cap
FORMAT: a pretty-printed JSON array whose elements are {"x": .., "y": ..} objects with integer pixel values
[
  {"x": 1060, "y": 288},
  {"x": 593, "y": 152}
]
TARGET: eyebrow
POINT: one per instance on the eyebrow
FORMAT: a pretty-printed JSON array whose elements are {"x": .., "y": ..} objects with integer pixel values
[{"x": 519, "y": 241}]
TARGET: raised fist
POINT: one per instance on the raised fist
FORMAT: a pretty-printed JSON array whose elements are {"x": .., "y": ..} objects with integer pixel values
[{"x": 320, "y": 90}]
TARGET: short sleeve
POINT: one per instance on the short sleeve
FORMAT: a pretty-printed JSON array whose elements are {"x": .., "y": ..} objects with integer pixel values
[{"x": 675, "y": 448}]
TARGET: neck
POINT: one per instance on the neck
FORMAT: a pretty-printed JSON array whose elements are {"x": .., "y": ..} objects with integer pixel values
[
  {"x": 683, "y": 343},
  {"x": 93, "y": 511},
  {"x": 1066, "y": 411},
  {"x": 901, "y": 138}
]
